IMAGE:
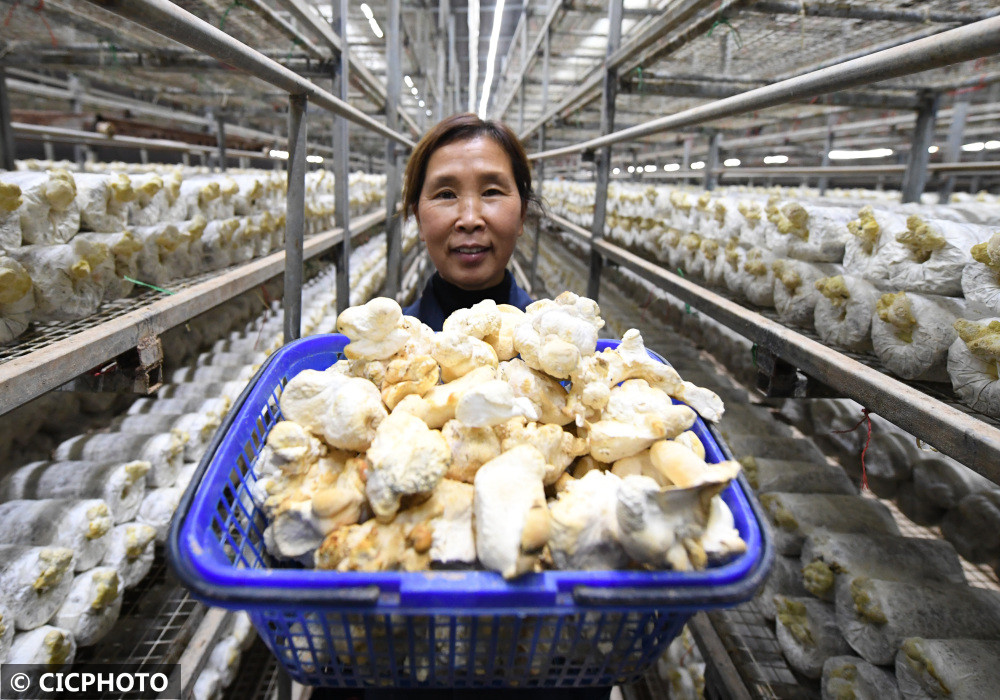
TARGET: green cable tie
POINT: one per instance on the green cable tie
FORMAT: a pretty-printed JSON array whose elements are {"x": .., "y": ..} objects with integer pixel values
[
  {"x": 723, "y": 20},
  {"x": 147, "y": 284},
  {"x": 222, "y": 22}
]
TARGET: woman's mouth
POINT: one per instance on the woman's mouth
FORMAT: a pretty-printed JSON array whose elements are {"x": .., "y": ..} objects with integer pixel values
[{"x": 471, "y": 254}]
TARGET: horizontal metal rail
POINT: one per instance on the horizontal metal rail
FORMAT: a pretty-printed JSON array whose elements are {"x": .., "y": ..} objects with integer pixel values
[
  {"x": 845, "y": 11},
  {"x": 175, "y": 23},
  {"x": 971, "y": 441},
  {"x": 53, "y": 133},
  {"x": 947, "y": 48},
  {"x": 28, "y": 376},
  {"x": 834, "y": 170}
]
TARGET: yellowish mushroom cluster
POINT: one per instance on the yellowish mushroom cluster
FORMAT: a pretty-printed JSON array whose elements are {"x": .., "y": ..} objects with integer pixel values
[{"x": 505, "y": 441}]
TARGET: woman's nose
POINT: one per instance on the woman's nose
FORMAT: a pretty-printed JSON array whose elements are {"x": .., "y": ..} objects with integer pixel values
[{"x": 470, "y": 213}]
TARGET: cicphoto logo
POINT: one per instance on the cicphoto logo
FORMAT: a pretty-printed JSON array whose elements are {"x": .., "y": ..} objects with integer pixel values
[{"x": 89, "y": 681}]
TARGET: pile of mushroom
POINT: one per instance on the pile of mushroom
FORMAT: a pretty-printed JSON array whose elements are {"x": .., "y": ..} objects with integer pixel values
[{"x": 505, "y": 441}]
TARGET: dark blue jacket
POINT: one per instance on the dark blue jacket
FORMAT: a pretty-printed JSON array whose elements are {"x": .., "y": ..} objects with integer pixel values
[{"x": 428, "y": 309}]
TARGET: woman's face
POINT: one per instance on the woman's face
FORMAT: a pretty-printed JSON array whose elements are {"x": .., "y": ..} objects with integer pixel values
[{"x": 469, "y": 213}]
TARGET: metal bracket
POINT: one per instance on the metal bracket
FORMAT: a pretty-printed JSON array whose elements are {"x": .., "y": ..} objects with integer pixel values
[
  {"x": 776, "y": 378},
  {"x": 138, "y": 371}
]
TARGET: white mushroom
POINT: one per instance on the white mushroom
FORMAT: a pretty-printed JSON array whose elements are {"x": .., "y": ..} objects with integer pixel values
[
  {"x": 471, "y": 448},
  {"x": 636, "y": 416},
  {"x": 545, "y": 393},
  {"x": 374, "y": 329},
  {"x": 584, "y": 524},
  {"x": 437, "y": 406},
  {"x": 406, "y": 457},
  {"x": 511, "y": 517},
  {"x": 344, "y": 411},
  {"x": 492, "y": 403},
  {"x": 555, "y": 334},
  {"x": 459, "y": 354},
  {"x": 558, "y": 447}
]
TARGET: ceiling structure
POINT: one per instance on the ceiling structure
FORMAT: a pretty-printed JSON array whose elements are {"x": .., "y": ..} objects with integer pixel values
[{"x": 70, "y": 62}]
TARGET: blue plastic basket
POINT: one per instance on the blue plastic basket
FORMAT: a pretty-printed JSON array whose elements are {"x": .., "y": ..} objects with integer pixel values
[{"x": 447, "y": 629}]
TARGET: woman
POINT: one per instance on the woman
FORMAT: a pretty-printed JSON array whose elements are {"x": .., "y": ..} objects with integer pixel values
[{"x": 468, "y": 185}]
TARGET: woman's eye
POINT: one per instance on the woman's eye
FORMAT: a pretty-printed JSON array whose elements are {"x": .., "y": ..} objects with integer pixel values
[
  {"x": 445, "y": 194},
  {"x": 492, "y": 191}
]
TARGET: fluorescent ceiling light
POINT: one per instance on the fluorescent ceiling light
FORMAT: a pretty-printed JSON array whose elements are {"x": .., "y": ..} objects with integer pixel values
[
  {"x": 616, "y": 171},
  {"x": 769, "y": 160},
  {"x": 428, "y": 113},
  {"x": 631, "y": 168},
  {"x": 698, "y": 165},
  {"x": 421, "y": 103},
  {"x": 314, "y": 159},
  {"x": 280, "y": 155},
  {"x": 367, "y": 11},
  {"x": 671, "y": 167},
  {"x": 992, "y": 145},
  {"x": 932, "y": 149},
  {"x": 408, "y": 80},
  {"x": 413, "y": 90},
  {"x": 376, "y": 30},
  {"x": 650, "y": 168},
  {"x": 491, "y": 58},
  {"x": 973, "y": 147},
  {"x": 731, "y": 162},
  {"x": 855, "y": 155}
]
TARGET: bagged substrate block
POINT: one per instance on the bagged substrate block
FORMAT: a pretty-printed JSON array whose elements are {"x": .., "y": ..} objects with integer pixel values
[
  {"x": 34, "y": 581},
  {"x": 872, "y": 245},
  {"x": 92, "y": 606},
  {"x": 911, "y": 334},
  {"x": 17, "y": 299},
  {"x": 937, "y": 253},
  {"x": 758, "y": 277},
  {"x": 131, "y": 551},
  {"x": 959, "y": 669},
  {"x": 103, "y": 200},
  {"x": 853, "y": 677},
  {"x": 49, "y": 214},
  {"x": 877, "y": 616},
  {"x": 163, "y": 451},
  {"x": 48, "y": 646},
  {"x": 807, "y": 632},
  {"x": 974, "y": 364},
  {"x": 10, "y": 221},
  {"x": 80, "y": 525},
  {"x": 795, "y": 291},
  {"x": 981, "y": 276},
  {"x": 125, "y": 251},
  {"x": 796, "y": 515},
  {"x": 812, "y": 232},
  {"x": 843, "y": 312},
  {"x": 67, "y": 279},
  {"x": 120, "y": 485}
]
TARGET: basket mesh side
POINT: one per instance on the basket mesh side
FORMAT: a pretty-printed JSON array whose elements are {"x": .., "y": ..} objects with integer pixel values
[{"x": 460, "y": 651}]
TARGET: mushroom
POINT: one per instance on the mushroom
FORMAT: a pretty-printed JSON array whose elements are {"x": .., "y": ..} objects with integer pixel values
[
  {"x": 558, "y": 447},
  {"x": 510, "y": 513},
  {"x": 636, "y": 416},
  {"x": 492, "y": 403},
  {"x": 545, "y": 393},
  {"x": 459, "y": 354},
  {"x": 344, "y": 411},
  {"x": 374, "y": 329},
  {"x": 437, "y": 406},
  {"x": 406, "y": 457},
  {"x": 471, "y": 448},
  {"x": 555, "y": 334},
  {"x": 584, "y": 524}
]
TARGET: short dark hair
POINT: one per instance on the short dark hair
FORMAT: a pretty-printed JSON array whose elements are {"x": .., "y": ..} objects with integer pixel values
[{"x": 460, "y": 127}]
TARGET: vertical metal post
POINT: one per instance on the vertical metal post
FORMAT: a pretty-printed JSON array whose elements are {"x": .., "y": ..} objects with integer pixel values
[
  {"x": 50, "y": 151},
  {"x": 295, "y": 218},
  {"x": 953, "y": 147},
  {"x": 76, "y": 107},
  {"x": 603, "y": 159},
  {"x": 442, "y": 56},
  {"x": 824, "y": 181},
  {"x": 394, "y": 253},
  {"x": 992, "y": 96},
  {"x": 524, "y": 63},
  {"x": 686, "y": 157},
  {"x": 915, "y": 176},
  {"x": 342, "y": 156},
  {"x": 540, "y": 167},
  {"x": 186, "y": 159},
  {"x": 220, "y": 139},
  {"x": 456, "y": 87},
  {"x": 7, "y": 144},
  {"x": 725, "y": 53},
  {"x": 144, "y": 156},
  {"x": 713, "y": 161}
]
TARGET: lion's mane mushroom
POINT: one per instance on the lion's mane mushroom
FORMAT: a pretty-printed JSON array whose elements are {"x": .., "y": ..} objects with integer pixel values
[
  {"x": 374, "y": 329},
  {"x": 406, "y": 457},
  {"x": 492, "y": 403},
  {"x": 556, "y": 333},
  {"x": 510, "y": 513},
  {"x": 471, "y": 448},
  {"x": 545, "y": 393},
  {"x": 584, "y": 524},
  {"x": 558, "y": 447},
  {"x": 636, "y": 416},
  {"x": 459, "y": 354},
  {"x": 344, "y": 411},
  {"x": 437, "y": 406}
]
